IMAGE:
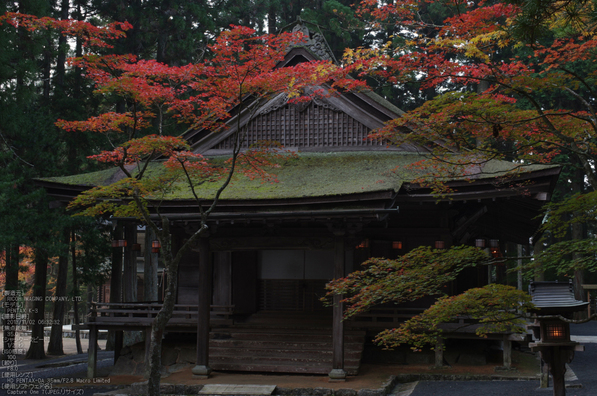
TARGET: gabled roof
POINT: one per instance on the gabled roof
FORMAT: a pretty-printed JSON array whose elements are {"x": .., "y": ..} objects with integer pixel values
[
  {"x": 554, "y": 298},
  {"x": 326, "y": 123},
  {"x": 337, "y": 167},
  {"x": 311, "y": 175}
]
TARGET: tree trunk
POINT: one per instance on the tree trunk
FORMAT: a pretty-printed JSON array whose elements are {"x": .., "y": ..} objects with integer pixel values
[
  {"x": 11, "y": 283},
  {"x": 76, "y": 295},
  {"x": 158, "y": 326},
  {"x": 577, "y": 233},
  {"x": 115, "y": 280},
  {"x": 161, "y": 320},
  {"x": 271, "y": 19},
  {"x": 62, "y": 50},
  {"x": 537, "y": 249},
  {"x": 47, "y": 68},
  {"x": 55, "y": 343},
  {"x": 36, "y": 347}
]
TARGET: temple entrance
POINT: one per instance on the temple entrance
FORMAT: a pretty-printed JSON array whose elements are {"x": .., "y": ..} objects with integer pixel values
[{"x": 294, "y": 280}]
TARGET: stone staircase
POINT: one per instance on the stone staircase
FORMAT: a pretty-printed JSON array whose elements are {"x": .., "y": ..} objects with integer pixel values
[{"x": 282, "y": 349}]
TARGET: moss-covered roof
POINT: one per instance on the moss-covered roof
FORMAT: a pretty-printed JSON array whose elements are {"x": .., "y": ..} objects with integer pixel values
[{"x": 309, "y": 175}]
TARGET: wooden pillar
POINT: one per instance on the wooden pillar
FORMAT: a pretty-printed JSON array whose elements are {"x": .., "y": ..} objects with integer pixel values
[
  {"x": 507, "y": 352},
  {"x": 129, "y": 285},
  {"x": 338, "y": 373},
  {"x": 558, "y": 370},
  {"x": 130, "y": 264},
  {"x": 557, "y": 357},
  {"x": 202, "y": 368},
  {"x": 489, "y": 274},
  {"x": 92, "y": 352},
  {"x": 116, "y": 274},
  {"x": 118, "y": 343},
  {"x": 439, "y": 353},
  {"x": 150, "y": 269}
]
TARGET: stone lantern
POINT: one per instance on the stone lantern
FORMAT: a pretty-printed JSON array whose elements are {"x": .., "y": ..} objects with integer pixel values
[{"x": 552, "y": 335}]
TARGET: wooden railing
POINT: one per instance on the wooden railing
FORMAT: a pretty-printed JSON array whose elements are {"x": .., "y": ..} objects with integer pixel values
[{"x": 142, "y": 314}]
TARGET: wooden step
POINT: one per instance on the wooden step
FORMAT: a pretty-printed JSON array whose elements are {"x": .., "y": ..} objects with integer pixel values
[
  {"x": 282, "y": 336},
  {"x": 282, "y": 349},
  {"x": 273, "y": 365},
  {"x": 296, "y": 338},
  {"x": 278, "y": 369},
  {"x": 314, "y": 360}
]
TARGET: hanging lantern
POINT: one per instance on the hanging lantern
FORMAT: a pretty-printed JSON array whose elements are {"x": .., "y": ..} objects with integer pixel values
[
  {"x": 494, "y": 247},
  {"x": 480, "y": 243},
  {"x": 364, "y": 244},
  {"x": 155, "y": 246},
  {"x": 397, "y": 245},
  {"x": 118, "y": 243},
  {"x": 440, "y": 244}
]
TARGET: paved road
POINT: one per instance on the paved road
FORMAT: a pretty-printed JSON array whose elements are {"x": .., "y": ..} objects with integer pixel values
[{"x": 583, "y": 366}]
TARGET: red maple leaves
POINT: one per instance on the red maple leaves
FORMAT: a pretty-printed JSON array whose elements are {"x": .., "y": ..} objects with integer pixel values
[{"x": 239, "y": 71}]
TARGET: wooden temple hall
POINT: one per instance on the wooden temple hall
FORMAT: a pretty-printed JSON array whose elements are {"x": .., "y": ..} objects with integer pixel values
[{"x": 272, "y": 247}]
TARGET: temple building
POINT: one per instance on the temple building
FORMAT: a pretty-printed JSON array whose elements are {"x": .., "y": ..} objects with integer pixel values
[{"x": 272, "y": 247}]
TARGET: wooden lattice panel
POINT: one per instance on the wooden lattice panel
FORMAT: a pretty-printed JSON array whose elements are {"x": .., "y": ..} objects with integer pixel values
[{"x": 305, "y": 126}]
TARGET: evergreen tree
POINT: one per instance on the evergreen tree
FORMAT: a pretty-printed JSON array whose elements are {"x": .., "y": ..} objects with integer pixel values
[{"x": 173, "y": 32}]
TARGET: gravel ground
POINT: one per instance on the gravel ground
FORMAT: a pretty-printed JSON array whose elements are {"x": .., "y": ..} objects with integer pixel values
[
  {"x": 72, "y": 368},
  {"x": 583, "y": 367}
]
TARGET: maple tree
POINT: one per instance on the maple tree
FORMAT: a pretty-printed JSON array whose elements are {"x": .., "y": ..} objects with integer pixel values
[
  {"x": 426, "y": 272},
  {"x": 240, "y": 70},
  {"x": 420, "y": 272},
  {"x": 94, "y": 36},
  {"x": 511, "y": 80},
  {"x": 494, "y": 92},
  {"x": 497, "y": 309}
]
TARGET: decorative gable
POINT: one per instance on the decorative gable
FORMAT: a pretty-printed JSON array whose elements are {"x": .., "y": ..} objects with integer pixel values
[
  {"x": 314, "y": 125},
  {"x": 327, "y": 123}
]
